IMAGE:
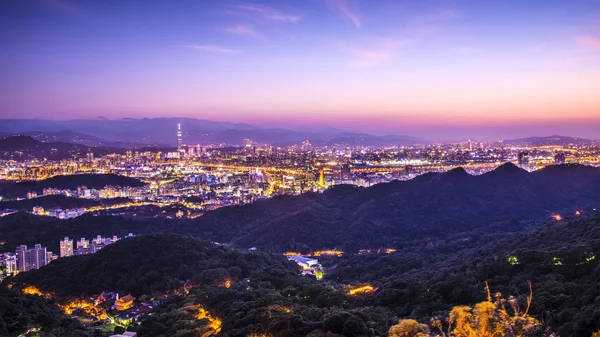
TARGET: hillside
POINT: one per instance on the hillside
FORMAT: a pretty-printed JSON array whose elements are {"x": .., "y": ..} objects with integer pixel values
[
  {"x": 428, "y": 208},
  {"x": 248, "y": 291},
  {"x": 145, "y": 264},
  {"x": 19, "y": 312},
  {"x": 431, "y": 206},
  {"x": 71, "y": 182},
  {"x": 559, "y": 258},
  {"x": 27, "y": 148},
  {"x": 412, "y": 282}
]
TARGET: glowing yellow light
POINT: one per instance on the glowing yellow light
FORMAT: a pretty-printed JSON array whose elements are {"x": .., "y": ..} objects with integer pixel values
[
  {"x": 578, "y": 213},
  {"x": 291, "y": 254},
  {"x": 363, "y": 289},
  {"x": 227, "y": 283},
  {"x": 557, "y": 217},
  {"x": 513, "y": 260},
  {"x": 213, "y": 323},
  {"x": 31, "y": 290},
  {"x": 91, "y": 310},
  {"x": 337, "y": 253}
]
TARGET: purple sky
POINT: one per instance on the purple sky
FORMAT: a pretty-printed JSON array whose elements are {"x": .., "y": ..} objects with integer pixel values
[{"x": 418, "y": 67}]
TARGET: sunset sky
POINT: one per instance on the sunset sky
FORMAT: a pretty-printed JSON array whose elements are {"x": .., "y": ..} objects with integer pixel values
[{"x": 372, "y": 65}]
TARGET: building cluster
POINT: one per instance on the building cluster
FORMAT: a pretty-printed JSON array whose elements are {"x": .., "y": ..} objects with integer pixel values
[
  {"x": 59, "y": 212},
  {"x": 84, "y": 246},
  {"x": 309, "y": 265},
  {"x": 25, "y": 259},
  {"x": 107, "y": 192},
  {"x": 205, "y": 177}
]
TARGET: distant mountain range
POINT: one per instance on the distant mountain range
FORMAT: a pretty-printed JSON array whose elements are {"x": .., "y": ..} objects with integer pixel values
[
  {"x": 129, "y": 132},
  {"x": 25, "y": 148},
  {"x": 549, "y": 141}
]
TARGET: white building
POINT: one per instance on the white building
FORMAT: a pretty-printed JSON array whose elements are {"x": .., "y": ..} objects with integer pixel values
[
  {"x": 304, "y": 262},
  {"x": 66, "y": 247}
]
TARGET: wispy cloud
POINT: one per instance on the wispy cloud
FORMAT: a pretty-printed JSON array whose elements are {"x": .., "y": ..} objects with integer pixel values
[
  {"x": 344, "y": 8},
  {"x": 370, "y": 52},
  {"x": 63, "y": 7},
  {"x": 265, "y": 12},
  {"x": 243, "y": 30},
  {"x": 592, "y": 42},
  {"x": 214, "y": 49},
  {"x": 440, "y": 16}
]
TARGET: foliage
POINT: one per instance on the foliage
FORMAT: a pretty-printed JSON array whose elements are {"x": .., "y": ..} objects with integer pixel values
[
  {"x": 20, "y": 312},
  {"x": 409, "y": 328},
  {"x": 499, "y": 318}
]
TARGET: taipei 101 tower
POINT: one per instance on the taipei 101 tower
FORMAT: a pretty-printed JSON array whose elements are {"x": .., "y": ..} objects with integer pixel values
[{"x": 179, "y": 140}]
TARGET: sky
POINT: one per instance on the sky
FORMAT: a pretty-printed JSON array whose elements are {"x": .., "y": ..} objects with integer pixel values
[{"x": 455, "y": 67}]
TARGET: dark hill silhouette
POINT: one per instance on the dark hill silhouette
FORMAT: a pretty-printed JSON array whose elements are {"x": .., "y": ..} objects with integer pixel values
[
  {"x": 395, "y": 214},
  {"x": 26, "y": 147},
  {"x": 386, "y": 214},
  {"x": 97, "y": 181},
  {"x": 149, "y": 263}
]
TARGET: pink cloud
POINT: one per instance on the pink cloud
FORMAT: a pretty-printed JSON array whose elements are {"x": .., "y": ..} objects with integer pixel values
[
  {"x": 592, "y": 42},
  {"x": 372, "y": 51},
  {"x": 242, "y": 30},
  {"x": 267, "y": 12},
  {"x": 344, "y": 10},
  {"x": 214, "y": 49}
]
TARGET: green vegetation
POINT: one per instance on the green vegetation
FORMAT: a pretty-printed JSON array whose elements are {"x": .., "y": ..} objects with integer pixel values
[
  {"x": 18, "y": 313},
  {"x": 452, "y": 233}
]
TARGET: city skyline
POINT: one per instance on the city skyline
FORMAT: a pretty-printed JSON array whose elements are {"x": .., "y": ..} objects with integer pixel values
[{"x": 453, "y": 67}]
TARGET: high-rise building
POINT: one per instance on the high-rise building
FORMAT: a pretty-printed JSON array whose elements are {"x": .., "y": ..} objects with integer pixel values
[
  {"x": 11, "y": 265},
  {"x": 83, "y": 243},
  {"x": 66, "y": 247},
  {"x": 29, "y": 259},
  {"x": 179, "y": 139},
  {"x": 345, "y": 173},
  {"x": 89, "y": 157},
  {"x": 523, "y": 159}
]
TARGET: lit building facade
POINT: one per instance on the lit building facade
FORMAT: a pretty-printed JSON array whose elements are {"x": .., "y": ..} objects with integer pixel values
[
  {"x": 66, "y": 247},
  {"x": 29, "y": 259}
]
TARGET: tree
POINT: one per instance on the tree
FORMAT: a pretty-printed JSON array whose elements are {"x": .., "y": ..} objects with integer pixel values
[{"x": 409, "y": 328}]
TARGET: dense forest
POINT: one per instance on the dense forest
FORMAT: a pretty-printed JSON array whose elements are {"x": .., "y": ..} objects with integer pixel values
[
  {"x": 18, "y": 312},
  {"x": 558, "y": 257}
]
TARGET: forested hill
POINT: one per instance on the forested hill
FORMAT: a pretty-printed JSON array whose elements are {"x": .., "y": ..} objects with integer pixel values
[
  {"x": 150, "y": 263},
  {"x": 71, "y": 182},
  {"x": 428, "y": 207}
]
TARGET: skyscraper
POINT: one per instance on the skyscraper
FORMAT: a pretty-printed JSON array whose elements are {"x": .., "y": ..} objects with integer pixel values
[
  {"x": 66, "y": 247},
  {"x": 345, "y": 172},
  {"x": 29, "y": 259},
  {"x": 523, "y": 159},
  {"x": 179, "y": 139}
]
